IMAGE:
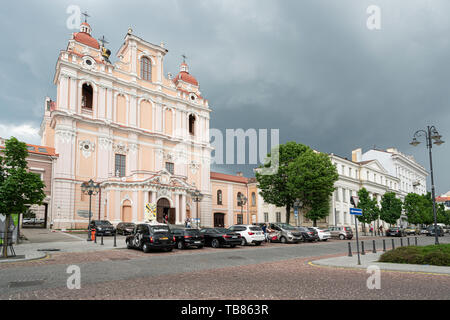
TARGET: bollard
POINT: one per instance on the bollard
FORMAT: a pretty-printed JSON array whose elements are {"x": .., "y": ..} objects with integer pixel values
[
  {"x": 408, "y": 242},
  {"x": 115, "y": 244},
  {"x": 374, "y": 248},
  {"x": 401, "y": 242},
  {"x": 384, "y": 245},
  {"x": 349, "y": 250},
  {"x": 362, "y": 248},
  {"x": 415, "y": 240},
  {"x": 102, "y": 240},
  {"x": 95, "y": 238},
  {"x": 393, "y": 244}
]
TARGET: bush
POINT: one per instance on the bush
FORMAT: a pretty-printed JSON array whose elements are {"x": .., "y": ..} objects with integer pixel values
[{"x": 438, "y": 255}]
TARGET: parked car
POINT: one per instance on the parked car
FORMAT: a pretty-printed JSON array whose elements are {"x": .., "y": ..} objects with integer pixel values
[
  {"x": 411, "y": 231},
  {"x": 146, "y": 237},
  {"x": 187, "y": 238},
  {"x": 102, "y": 227},
  {"x": 249, "y": 234},
  {"x": 307, "y": 234},
  {"x": 341, "y": 232},
  {"x": 424, "y": 230},
  {"x": 395, "y": 232},
  {"x": 324, "y": 234},
  {"x": 125, "y": 228},
  {"x": 287, "y": 233},
  {"x": 218, "y": 237},
  {"x": 431, "y": 231}
]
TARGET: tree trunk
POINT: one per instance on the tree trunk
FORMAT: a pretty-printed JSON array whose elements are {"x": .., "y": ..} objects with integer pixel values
[
  {"x": 315, "y": 223},
  {"x": 5, "y": 238},
  {"x": 288, "y": 213}
]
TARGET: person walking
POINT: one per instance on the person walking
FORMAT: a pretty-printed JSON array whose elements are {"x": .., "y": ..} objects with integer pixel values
[
  {"x": 381, "y": 230},
  {"x": 264, "y": 229}
]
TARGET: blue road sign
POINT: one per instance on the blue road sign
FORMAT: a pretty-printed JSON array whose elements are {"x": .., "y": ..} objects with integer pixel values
[
  {"x": 356, "y": 211},
  {"x": 296, "y": 213}
]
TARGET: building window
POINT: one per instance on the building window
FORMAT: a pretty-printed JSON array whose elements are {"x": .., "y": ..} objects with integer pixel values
[
  {"x": 278, "y": 216},
  {"x": 266, "y": 216},
  {"x": 219, "y": 197},
  {"x": 253, "y": 199},
  {"x": 170, "y": 167},
  {"x": 337, "y": 194},
  {"x": 192, "y": 124},
  {"x": 86, "y": 96},
  {"x": 146, "y": 69},
  {"x": 120, "y": 165}
]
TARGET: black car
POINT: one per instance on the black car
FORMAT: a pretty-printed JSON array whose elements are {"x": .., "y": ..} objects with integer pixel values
[
  {"x": 147, "y": 237},
  {"x": 218, "y": 237},
  {"x": 185, "y": 238},
  {"x": 431, "y": 232},
  {"x": 125, "y": 228},
  {"x": 395, "y": 232},
  {"x": 307, "y": 234},
  {"x": 102, "y": 227},
  {"x": 315, "y": 234}
]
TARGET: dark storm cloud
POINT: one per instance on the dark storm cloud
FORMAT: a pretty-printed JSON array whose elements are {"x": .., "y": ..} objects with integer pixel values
[{"x": 310, "y": 68}]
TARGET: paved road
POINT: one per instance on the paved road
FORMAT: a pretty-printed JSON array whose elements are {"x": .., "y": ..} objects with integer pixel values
[{"x": 272, "y": 271}]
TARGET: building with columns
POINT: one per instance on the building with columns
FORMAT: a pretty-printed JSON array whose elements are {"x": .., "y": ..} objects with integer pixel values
[{"x": 143, "y": 136}]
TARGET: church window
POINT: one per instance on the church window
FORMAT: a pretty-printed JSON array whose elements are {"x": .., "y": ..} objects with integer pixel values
[
  {"x": 86, "y": 96},
  {"x": 219, "y": 197},
  {"x": 146, "y": 69},
  {"x": 191, "y": 124},
  {"x": 120, "y": 165}
]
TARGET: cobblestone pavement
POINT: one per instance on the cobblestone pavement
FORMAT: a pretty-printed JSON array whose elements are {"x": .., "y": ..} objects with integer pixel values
[{"x": 272, "y": 271}]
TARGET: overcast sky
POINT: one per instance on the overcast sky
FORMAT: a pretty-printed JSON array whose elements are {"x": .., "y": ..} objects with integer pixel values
[{"x": 310, "y": 68}]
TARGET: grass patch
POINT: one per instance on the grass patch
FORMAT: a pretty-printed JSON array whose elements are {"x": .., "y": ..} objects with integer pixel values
[{"x": 437, "y": 255}]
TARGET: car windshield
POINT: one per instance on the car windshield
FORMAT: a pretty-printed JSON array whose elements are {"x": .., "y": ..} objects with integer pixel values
[
  {"x": 221, "y": 230},
  {"x": 255, "y": 229},
  {"x": 103, "y": 223},
  {"x": 128, "y": 225},
  {"x": 286, "y": 226},
  {"x": 192, "y": 232}
]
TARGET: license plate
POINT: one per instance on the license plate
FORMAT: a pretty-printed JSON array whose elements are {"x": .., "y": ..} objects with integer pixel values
[
  {"x": 164, "y": 238},
  {"x": 198, "y": 242},
  {"x": 234, "y": 237}
]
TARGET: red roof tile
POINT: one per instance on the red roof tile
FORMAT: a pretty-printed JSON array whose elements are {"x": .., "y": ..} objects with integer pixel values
[{"x": 228, "y": 177}]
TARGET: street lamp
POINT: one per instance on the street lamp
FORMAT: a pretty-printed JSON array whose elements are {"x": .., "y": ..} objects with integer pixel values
[
  {"x": 197, "y": 196},
  {"x": 90, "y": 188},
  {"x": 430, "y": 134},
  {"x": 297, "y": 204},
  {"x": 242, "y": 200}
]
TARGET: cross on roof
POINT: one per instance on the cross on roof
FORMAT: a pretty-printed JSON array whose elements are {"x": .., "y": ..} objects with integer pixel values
[
  {"x": 103, "y": 41},
  {"x": 86, "y": 15},
  {"x": 184, "y": 57}
]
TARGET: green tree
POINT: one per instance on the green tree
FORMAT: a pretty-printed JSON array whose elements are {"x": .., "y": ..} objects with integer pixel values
[
  {"x": 19, "y": 188},
  {"x": 413, "y": 206},
  {"x": 369, "y": 207},
  {"x": 274, "y": 187},
  {"x": 312, "y": 177},
  {"x": 391, "y": 208}
]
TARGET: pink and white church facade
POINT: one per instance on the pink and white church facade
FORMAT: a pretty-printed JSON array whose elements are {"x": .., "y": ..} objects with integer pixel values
[{"x": 143, "y": 136}]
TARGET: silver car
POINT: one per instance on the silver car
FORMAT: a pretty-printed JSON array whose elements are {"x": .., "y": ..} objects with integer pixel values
[
  {"x": 287, "y": 233},
  {"x": 342, "y": 232}
]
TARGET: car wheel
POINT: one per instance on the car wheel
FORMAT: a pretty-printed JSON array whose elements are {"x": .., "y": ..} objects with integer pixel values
[
  {"x": 180, "y": 245},
  {"x": 200, "y": 247},
  {"x": 243, "y": 242},
  {"x": 129, "y": 246},
  {"x": 257, "y": 243},
  {"x": 325, "y": 240},
  {"x": 232, "y": 245},
  {"x": 283, "y": 240},
  {"x": 215, "y": 243},
  {"x": 146, "y": 248},
  {"x": 342, "y": 237},
  {"x": 169, "y": 249}
]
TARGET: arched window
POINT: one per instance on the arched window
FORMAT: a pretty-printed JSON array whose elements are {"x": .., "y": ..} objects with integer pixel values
[
  {"x": 86, "y": 96},
  {"x": 191, "y": 124},
  {"x": 253, "y": 199},
  {"x": 219, "y": 197},
  {"x": 238, "y": 198},
  {"x": 146, "y": 69}
]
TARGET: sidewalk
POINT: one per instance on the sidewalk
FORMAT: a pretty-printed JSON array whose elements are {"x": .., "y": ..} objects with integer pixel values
[
  {"x": 77, "y": 243},
  {"x": 371, "y": 259}
]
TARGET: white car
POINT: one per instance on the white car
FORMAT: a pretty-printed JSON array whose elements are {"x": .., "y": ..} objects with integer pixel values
[
  {"x": 249, "y": 233},
  {"x": 324, "y": 235}
]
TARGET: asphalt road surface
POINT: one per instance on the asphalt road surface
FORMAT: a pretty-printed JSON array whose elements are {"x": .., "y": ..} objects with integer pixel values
[{"x": 272, "y": 271}]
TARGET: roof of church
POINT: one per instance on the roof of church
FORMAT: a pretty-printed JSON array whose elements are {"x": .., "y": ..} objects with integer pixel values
[
  {"x": 85, "y": 38},
  {"x": 228, "y": 177},
  {"x": 186, "y": 77}
]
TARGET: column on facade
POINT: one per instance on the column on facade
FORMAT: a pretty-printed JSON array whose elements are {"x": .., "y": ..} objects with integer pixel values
[
  {"x": 177, "y": 208},
  {"x": 135, "y": 206},
  {"x": 153, "y": 197},
  {"x": 183, "y": 207}
]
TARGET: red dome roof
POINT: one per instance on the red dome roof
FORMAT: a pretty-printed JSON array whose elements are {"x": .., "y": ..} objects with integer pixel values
[
  {"x": 84, "y": 38},
  {"x": 186, "y": 77}
]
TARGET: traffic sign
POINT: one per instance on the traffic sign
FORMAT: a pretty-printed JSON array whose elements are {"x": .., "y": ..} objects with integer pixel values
[
  {"x": 356, "y": 211},
  {"x": 296, "y": 212}
]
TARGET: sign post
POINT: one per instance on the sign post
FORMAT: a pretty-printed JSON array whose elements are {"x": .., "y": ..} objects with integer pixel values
[{"x": 356, "y": 212}]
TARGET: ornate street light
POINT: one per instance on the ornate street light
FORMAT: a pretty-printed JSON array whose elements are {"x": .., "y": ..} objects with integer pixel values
[
  {"x": 297, "y": 205},
  {"x": 197, "y": 196},
  {"x": 90, "y": 188},
  {"x": 242, "y": 200},
  {"x": 430, "y": 134}
]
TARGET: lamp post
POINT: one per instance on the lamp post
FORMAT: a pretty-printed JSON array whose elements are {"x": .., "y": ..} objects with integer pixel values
[
  {"x": 242, "y": 200},
  {"x": 297, "y": 204},
  {"x": 90, "y": 188},
  {"x": 197, "y": 196},
  {"x": 430, "y": 134}
]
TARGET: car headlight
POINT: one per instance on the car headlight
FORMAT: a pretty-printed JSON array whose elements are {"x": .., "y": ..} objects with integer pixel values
[{"x": 99, "y": 228}]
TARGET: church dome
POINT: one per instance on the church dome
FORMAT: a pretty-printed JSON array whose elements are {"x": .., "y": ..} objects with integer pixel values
[
  {"x": 184, "y": 75},
  {"x": 84, "y": 36}
]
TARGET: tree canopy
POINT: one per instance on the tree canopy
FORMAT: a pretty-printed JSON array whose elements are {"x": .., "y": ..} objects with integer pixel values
[
  {"x": 369, "y": 207},
  {"x": 391, "y": 208}
]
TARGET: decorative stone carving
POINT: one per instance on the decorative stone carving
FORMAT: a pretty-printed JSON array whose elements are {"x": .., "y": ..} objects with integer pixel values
[
  {"x": 164, "y": 193},
  {"x": 105, "y": 143},
  {"x": 87, "y": 147},
  {"x": 65, "y": 135},
  {"x": 194, "y": 166},
  {"x": 121, "y": 148},
  {"x": 133, "y": 147}
]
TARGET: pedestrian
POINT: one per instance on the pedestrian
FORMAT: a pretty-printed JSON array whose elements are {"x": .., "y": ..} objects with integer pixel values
[
  {"x": 166, "y": 219},
  {"x": 188, "y": 222},
  {"x": 381, "y": 230},
  {"x": 371, "y": 229},
  {"x": 264, "y": 229}
]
